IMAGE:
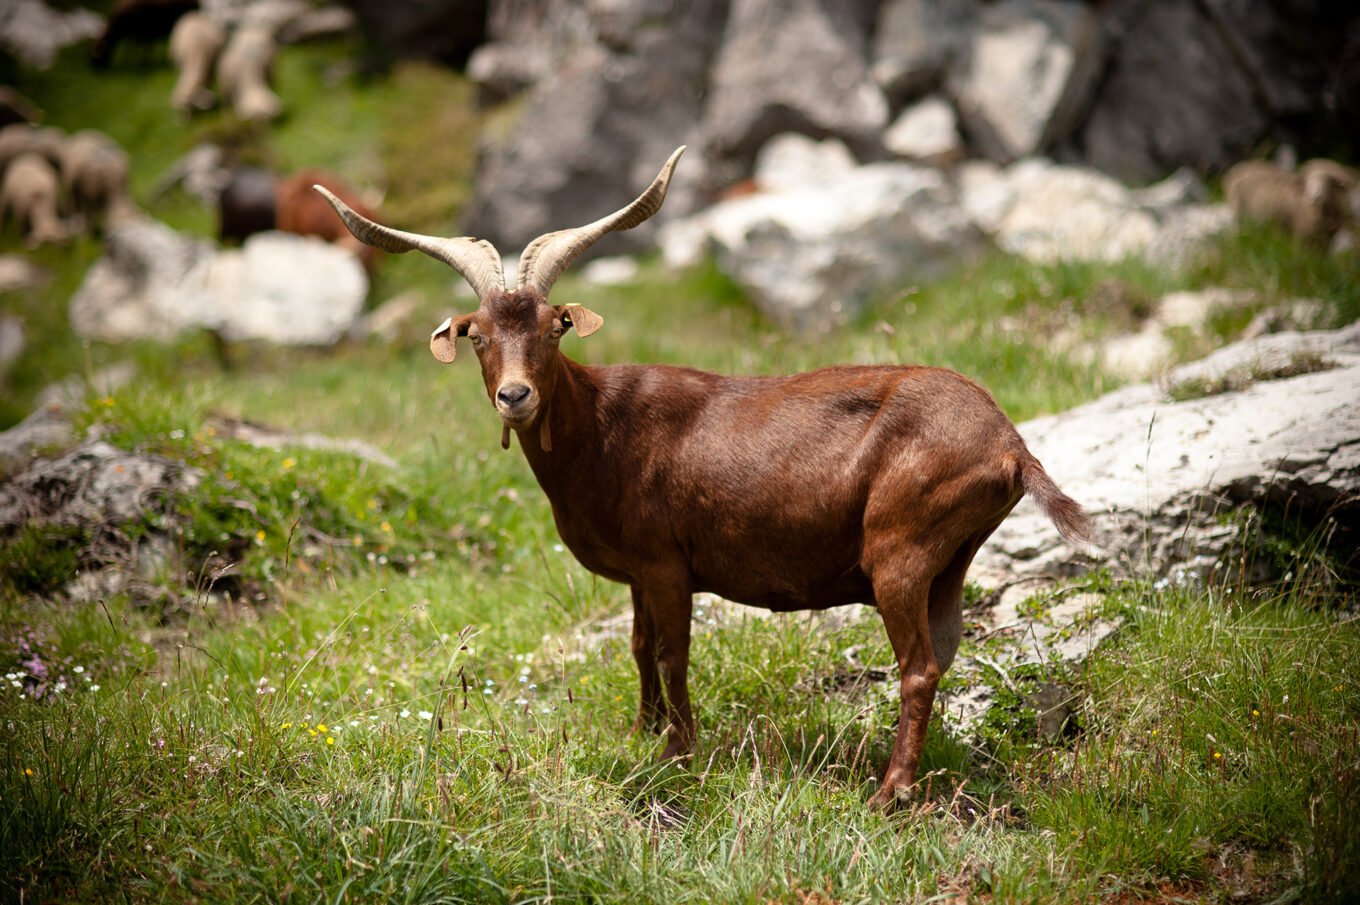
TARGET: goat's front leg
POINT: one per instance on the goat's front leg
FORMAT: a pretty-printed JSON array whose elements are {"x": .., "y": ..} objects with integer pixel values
[
  {"x": 651, "y": 708},
  {"x": 669, "y": 603},
  {"x": 903, "y": 602}
]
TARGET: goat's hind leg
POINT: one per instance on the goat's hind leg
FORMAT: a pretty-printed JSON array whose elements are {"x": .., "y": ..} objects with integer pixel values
[
  {"x": 904, "y": 602},
  {"x": 651, "y": 707}
]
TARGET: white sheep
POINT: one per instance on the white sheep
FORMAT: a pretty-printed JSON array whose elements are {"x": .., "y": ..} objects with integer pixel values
[
  {"x": 22, "y": 138},
  {"x": 28, "y": 195},
  {"x": 94, "y": 170},
  {"x": 194, "y": 45},
  {"x": 243, "y": 73}
]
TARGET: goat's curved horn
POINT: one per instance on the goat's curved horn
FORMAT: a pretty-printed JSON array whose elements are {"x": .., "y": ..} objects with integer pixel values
[
  {"x": 476, "y": 259},
  {"x": 547, "y": 256}
]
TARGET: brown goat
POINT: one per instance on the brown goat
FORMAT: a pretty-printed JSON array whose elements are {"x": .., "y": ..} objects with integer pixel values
[
  {"x": 300, "y": 210},
  {"x": 873, "y": 485}
]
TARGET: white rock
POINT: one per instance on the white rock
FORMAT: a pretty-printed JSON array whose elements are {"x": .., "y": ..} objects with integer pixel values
[
  {"x": 1047, "y": 212},
  {"x": 813, "y": 254},
  {"x": 927, "y": 131},
  {"x": 790, "y": 161},
  {"x": 1156, "y": 473},
  {"x": 154, "y": 283}
]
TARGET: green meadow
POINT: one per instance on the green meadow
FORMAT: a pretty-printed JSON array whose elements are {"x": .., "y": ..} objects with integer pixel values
[{"x": 373, "y": 683}]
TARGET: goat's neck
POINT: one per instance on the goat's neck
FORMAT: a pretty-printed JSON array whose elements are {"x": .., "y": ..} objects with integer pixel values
[{"x": 573, "y": 426}]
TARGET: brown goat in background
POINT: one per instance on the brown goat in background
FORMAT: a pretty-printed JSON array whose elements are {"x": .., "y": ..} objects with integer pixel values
[
  {"x": 301, "y": 210},
  {"x": 845, "y": 485}
]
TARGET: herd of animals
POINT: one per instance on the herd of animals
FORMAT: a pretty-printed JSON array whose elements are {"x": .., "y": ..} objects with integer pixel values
[{"x": 53, "y": 186}]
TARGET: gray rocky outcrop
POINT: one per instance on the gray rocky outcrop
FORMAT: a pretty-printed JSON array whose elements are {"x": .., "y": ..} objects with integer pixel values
[
  {"x": 120, "y": 504},
  {"x": 155, "y": 283},
  {"x": 1134, "y": 89},
  {"x": 1270, "y": 421}
]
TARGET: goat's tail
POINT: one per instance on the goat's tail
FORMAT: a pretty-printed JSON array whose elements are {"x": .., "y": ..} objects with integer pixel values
[{"x": 1073, "y": 523}]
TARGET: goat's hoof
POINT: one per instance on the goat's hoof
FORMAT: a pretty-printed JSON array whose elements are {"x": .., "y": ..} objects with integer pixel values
[{"x": 887, "y": 798}]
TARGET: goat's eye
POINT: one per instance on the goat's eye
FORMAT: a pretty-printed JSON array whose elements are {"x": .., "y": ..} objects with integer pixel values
[
  {"x": 556, "y": 332},
  {"x": 476, "y": 339}
]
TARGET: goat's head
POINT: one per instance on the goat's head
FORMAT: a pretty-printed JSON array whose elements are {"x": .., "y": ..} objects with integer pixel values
[{"x": 514, "y": 332}]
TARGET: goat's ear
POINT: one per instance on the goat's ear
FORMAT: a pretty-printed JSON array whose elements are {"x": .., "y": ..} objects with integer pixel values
[
  {"x": 442, "y": 344},
  {"x": 584, "y": 320}
]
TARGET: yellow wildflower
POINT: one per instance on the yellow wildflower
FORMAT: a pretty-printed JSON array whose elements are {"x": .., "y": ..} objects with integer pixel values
[
  {"x": 386, "y": 526},
  {"x": 286, "y": 726},
  {"x": 330, "y": 740},
  {"x": 28, "y": 771},
  {"x": 259, "y": 535},
  {"x": 289, "y": 463},
  {"x": 321, "y": 727}
]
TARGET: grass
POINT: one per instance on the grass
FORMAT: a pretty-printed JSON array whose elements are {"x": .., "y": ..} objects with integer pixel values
[{"x": 403, "y": 693}]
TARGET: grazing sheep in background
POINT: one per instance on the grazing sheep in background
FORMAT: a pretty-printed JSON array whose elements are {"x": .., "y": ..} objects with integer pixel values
[
  {"x": 194, "y": 46},
  {"x": 94, "y": 173},
  {"x": 28, "y": 196},
  {"x": 22, "y": 138},
  {"x": 142, "y": 21},
  {"x": 845, "y": 485},
  {"x": 1311, "y": 206},
  {"x": 247, "y": 204},
  {"x": 243, "y": 73},
  {"x": 301, "y": 210}
]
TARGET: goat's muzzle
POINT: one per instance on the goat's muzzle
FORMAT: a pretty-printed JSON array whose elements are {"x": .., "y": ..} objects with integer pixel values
[{"x": 517, "y": 403}]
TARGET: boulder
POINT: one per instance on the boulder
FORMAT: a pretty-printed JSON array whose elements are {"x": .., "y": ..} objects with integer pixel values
[
  {"x": 791, "y": 66},
  {"x": 34, "y": 32},
  {"x": 155, "y": 283},
  {"x": 1026, "y": 75},
  {"x": 137, "y": 289},
  {"x": 528, "y": 41},
  {"x": 1273, "y": 421},
  {"x": 1204, "y": 84},
  {"x": 1048, "y": 212},
  {"x": 812, "y": 254},
  {"x": 282, "y": 288},
  {"x": 916, "y": 41},
  {"x": 589, "y": 139},
  {"x": 928, "y": 132}
]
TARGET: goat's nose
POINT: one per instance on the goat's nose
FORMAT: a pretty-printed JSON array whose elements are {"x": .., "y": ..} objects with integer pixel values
[{"x": 512, "y": 394}]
